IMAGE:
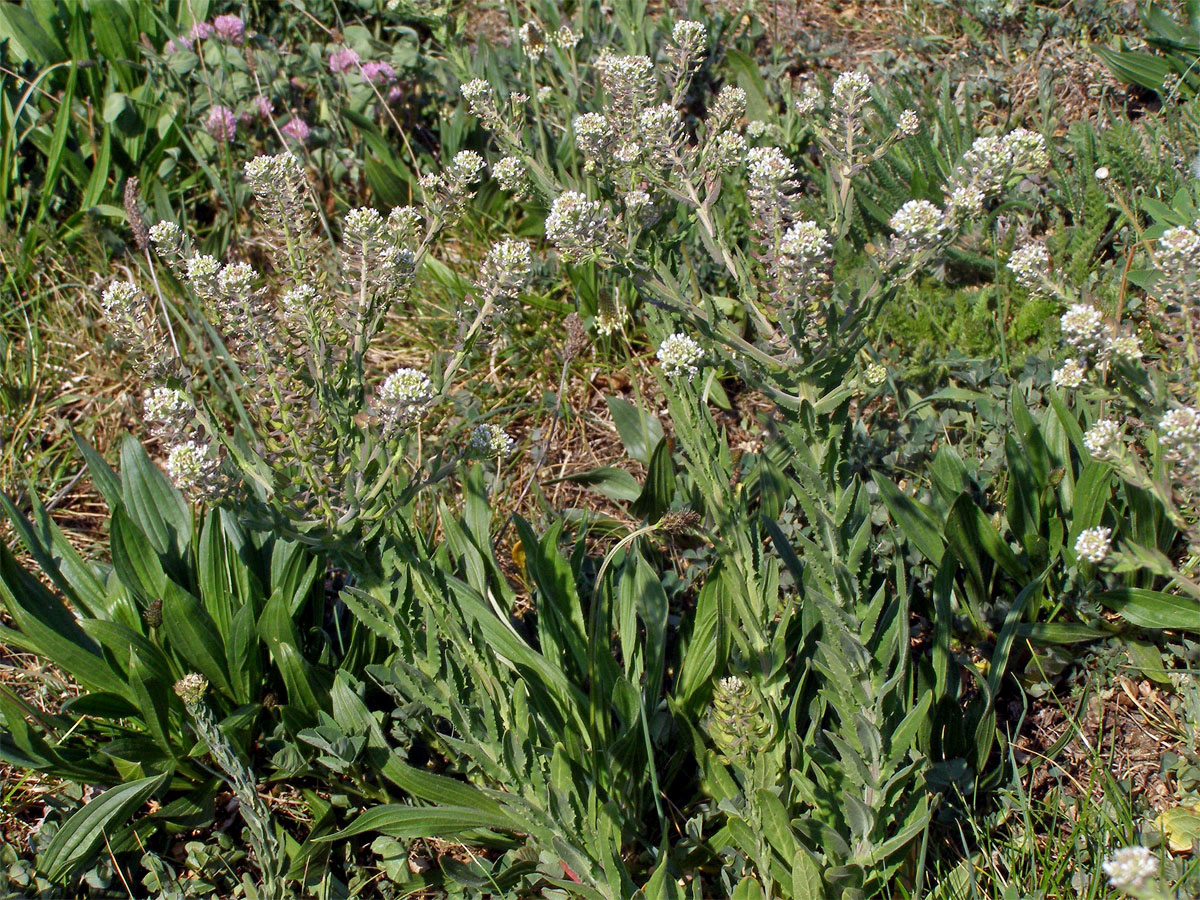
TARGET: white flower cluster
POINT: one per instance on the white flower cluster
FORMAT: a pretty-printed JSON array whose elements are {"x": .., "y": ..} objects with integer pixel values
[
  {"x": 909, "y": 122},
  {"x": 403, "y": 223},
  {"x": 691, "y": 37},
  {"x": 1092, "y": 545},
  {"x": 680, "y": 355},
  {"x": 363, "y": 225},
  {"x": 965, "y": 202},
  {"x": 1030, "y": 264},
  {"x": 194, "y": 468},
  {"x": 804, "y": 258},
  {"x": 236, "y": 279},
  {"x": 1129, "y": 868},
  {"x": 167, "y": 238},
  {"x": 505, "y": 272},
  {"x": 1180, "y": 437},
  {"x": 1125, "y": 346},
  {"x": 168, "y": 410},
  {"x": 593, "y": 135},
  {"x": 1069, "y": 375},
  {"x": 629, "y": 85},
  {"x": 532, "y": 40},
  {"x": 918, "y": 225},
  {"x": 875, "y": 375},
  {"x": 772, "y": 178},
  {"x": 1103, "y": 439},
  {"x": 1083, "y": 328},
  {"x": 993, "y": 159},
  {"x": 576, "y": 225},
  {"x": 489, "y": 441},
  {"x": 727, "y": 108},
  {"x": 1178, "y": 252},
  {"x": 850, "y": 90},
  {"x": 403, "y": 397},
  {"x": 809, "y": 100},
  {"x": 511, "y": 174},
  {"x": 448, "y": 193}
]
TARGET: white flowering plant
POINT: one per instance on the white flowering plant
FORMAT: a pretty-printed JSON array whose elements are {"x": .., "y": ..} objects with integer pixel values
[{"x": 272, "y": 402}]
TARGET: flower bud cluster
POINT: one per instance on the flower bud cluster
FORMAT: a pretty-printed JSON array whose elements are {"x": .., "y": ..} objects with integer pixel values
[
  {"x": 1083, "y": 329},
  {"x": 490, "y": 442},
  {"x": 1092, "y": 545},
  {"x": 1179, "y": 436},
  {"x": 737, "y": 722},
  {"x": 917, "y": 225},
  {"x": 448, "y": 193},
  {"x": 1030, "y": 265},
  {"x": 680, "y": 355},
  {"x": 629, "y": 87},
  {"x": 1103, "y": 440},
  {"x": 804, "y": 260},
  {"x": 577, "y": 226},
  {"x": 772, "y": 180},
  {"x": 194, "y": 467},
  {"x": 403, "y": 398}
]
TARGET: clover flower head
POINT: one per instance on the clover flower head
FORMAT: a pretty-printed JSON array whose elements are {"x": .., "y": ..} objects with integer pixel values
[
  {"x": 264, "y": 107},
  {"x": 680, "y": 355},
  {"x": 167, "y": 237},
  {"x": 576, "y": 225},
  {"x": 378, "y": 72},
  {"x": 343, "y": 60},
  {"x": 201, "y": 31},
  {"x": 1082, "y": 327},
  {"x": 230, "y": 28},
  {"x": 532, "y": 40},
  {"x": 404, "y": 396},
  {"x": 297, "y": 129},
  {"x": 177, "y": 45},
  {"x": 690, "y": 36},
  {"x": 363, "y": 224},
  {"x": 564, "y": 37},
  {"x": 1069, "y": 375},
  {"x": 221, "y": 123},
  {"x": 236, "y": 279},
  {"x": 1092, "y": 544},
  {"x": 491, "y": 441},
  {"x": 1103, "y": 439},
  {"x": 1029, "y": 264},
  {"x": 851, "y": 89},
  {"x": 918, "y": 224},
  {"x": 1129, "y": 868}
]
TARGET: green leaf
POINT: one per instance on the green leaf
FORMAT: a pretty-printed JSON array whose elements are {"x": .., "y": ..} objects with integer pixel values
[
  {"x": 609, "y": 481},
  {"x": 640, "y": 432},
  {"x": 192, "y": 634},
  {"x": 915, "y": 520},
  {"x": 27, "y": 39},
  {"x": 153, "y": 503},
  {"x": 659, "y": 490},
  {"x": 413, "y": 822},
  {"x": 1154, "y": 609},
  {"x": 80, "y": 838}
]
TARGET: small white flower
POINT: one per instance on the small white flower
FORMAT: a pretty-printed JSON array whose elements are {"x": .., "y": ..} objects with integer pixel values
[
  {"x": 166, "y": 406},
  {"x": 363, "y": 224},
  {"x": 403, "y": 223},
  {"x": 1082, "y": 327},
  {"x": 1069, "y": 375},
  {"x": 166, "y": 236},
  {"x": 690, "y": 36},
  {"x": 1103, "y": 439},
  {"x": 1129, "y": 868},
  {"x": 909, "y": 122},
  {"x": 875, "y": 375},
  {"x": 491, "y": 441},
  {"x": 1092, "y": 544},
  {"x": 1125, "y": 346},
  {"x": 510, "y": 173},
  {"x": 809, "y": 100},
  {"x": 576, "y": 224},
  {"x": 544, "y": 94},
  {"x": 1030, "y": 263},
  {"x": 635, "y": 201},
  {"x": 680, "y": 355},
  {"x": 851, "y": 88},
  {"x": 192, "y": 467},
  {"x": 403, "y": 397},
  {"x": 236, "y": 279},
  {"x": 918, "y": 224},
  {"x": 564, "y": 37}
]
